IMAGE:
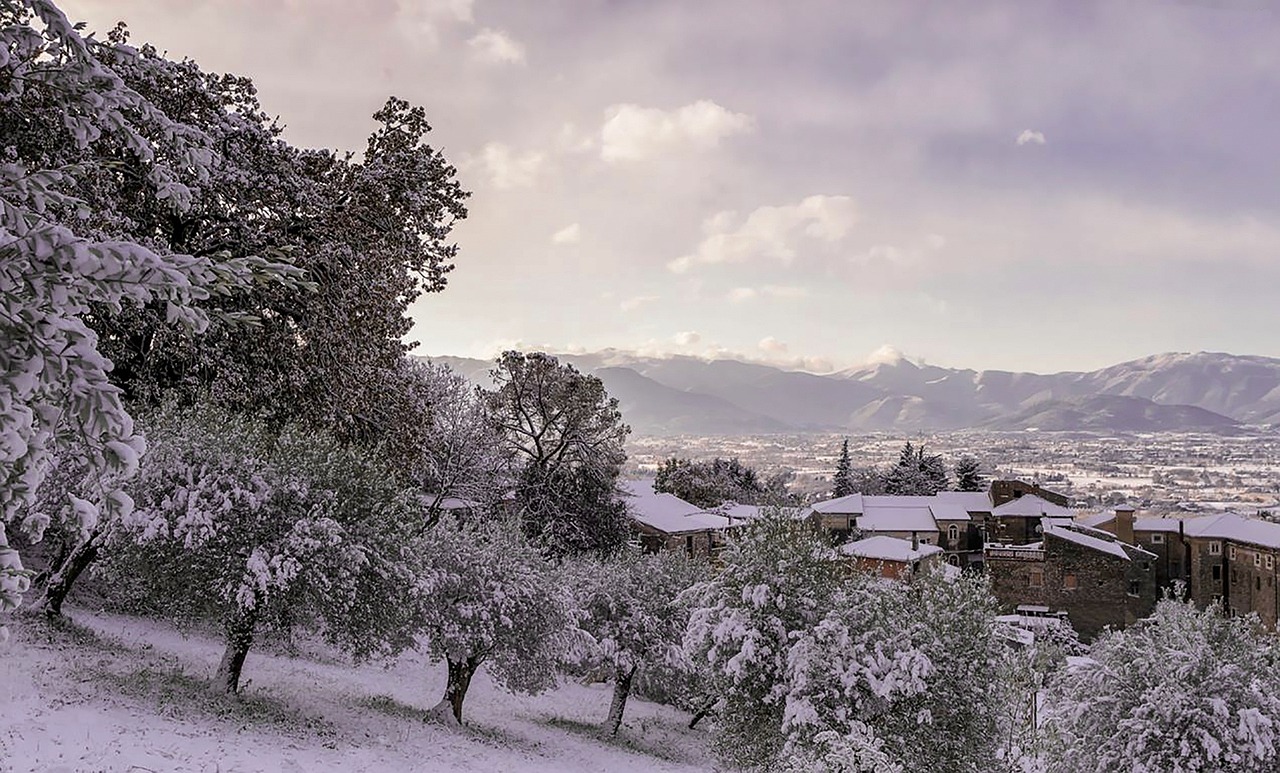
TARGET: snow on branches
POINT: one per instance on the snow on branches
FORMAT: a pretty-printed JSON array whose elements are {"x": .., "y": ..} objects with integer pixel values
[
  {"x": 54, "y": 386},
  {"x": 487, "y": 597},
  {"x": 1183, "y": 691}
]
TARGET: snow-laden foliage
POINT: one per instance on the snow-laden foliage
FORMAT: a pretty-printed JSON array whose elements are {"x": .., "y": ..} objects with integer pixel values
[
  {"x": 630, "y": 609},
  {"x": 820, "y": 667},
  {"x": 1183, "y": 691},
  {"x": 778, "y": 581},
  {"x": 487, "y": 597},
  {"x": 236, "y": 524},
  {"x": 916, "y": 473},
  {"x": 52, "y": 273}
]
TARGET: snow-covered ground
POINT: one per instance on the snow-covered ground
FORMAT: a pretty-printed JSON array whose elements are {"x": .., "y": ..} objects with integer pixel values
[{"x": 124, "y": 694}]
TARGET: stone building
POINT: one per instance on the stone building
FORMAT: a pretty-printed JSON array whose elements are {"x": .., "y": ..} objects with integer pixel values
[
  {"x": 951, "y": 520},
  {"x": 1095, "y": 578},
  {"x": 1008, "y": 490},
  {"x": 1018, "y": 521}
]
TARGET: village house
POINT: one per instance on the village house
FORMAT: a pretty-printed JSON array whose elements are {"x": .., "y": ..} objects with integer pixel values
[
  {"x": 950, "y": 520},
  {"x": 1018, "y": 521},
  {"x": 1226, "y": 558},
  {"x": 667, "y": 522},
  {"x": 1088, "y": 573},
  {"x": 892, "y": 558}
]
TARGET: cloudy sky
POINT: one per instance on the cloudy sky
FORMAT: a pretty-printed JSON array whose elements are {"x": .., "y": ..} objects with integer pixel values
[{"x": 1022, "y": 185}]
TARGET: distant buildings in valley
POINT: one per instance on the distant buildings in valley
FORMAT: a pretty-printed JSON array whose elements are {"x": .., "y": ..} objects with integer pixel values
[{"x": 1101, "y": 570}]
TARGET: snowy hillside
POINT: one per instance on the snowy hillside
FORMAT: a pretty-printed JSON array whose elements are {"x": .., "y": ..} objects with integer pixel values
[{"x": 132, "y": 695}]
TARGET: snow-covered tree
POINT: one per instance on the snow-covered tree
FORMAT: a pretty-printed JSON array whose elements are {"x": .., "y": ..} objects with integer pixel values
[
  {"x": 778, "y": 581},
  {"x": 487, "y": 597},
  {"x": 237, "y": 525},
  {"x": 631, "y": 611},
  {"x": 968, "y": 472},
  {"x": 458, "y": 452},
  {"x": 1183, "y": 691},
  {"x": 566, "y": 438},
  {"x": 54, "y": 272},
  {"x": 916, "y": 473},
  {"x": 842, "y": 481}
]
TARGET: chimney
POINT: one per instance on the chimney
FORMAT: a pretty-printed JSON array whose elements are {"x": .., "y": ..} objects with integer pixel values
[
  {"x": 1124, "y": 523},
  {"x": 915, "y": 542}
]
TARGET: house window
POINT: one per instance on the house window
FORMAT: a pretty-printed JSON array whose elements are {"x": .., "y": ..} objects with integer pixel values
[
  {"x": 1235, "y": 576},
  {"x": 1217, "y": 572},
  {"x": 1257, "y": 560},
  {"x": 1157, "y": 539},
  {"x": 925, "y": 540},
  {"x": 1069, "y": 582},
  {"x": 1146, "y": 566},
  {"x": 1233, "y": 552},
  {"x": 1215, "y": 548},
  {"x": 1135, "y": 588},
  {"x": 953, "y": 533},
  {"x": 953, "y": 559},
  {"x": 1035, "y": 579},
  {"x": 1257, "y": 582},
  {"x": 1271, "y": 562}
]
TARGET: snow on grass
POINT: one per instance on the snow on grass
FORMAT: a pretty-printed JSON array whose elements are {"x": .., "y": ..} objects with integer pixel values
[{"x": 106, "y": 692}]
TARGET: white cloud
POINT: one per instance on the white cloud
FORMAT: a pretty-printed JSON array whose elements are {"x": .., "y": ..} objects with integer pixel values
[
  {"x": 506, "y": 168},
  {"x": 575, "y": 140},
  {"x": 1029, "y": 136},
  {"x": 632, "y": 133},
  {"x": 772, "y": 232},
  {"x": 419, "y": 21},
  {"x": 635, "y": 302},
  {"x": 495, "y": 47},
  {"x": 772, "y": 346},
  {"x": 789, "y": 292},
  {"x": 687, "y": 338},
  {"x": 570, "y": 234},
  {"x": 888, "y": 354}
]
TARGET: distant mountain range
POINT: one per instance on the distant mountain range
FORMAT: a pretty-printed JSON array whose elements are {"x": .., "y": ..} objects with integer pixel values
[{"x": 1206, "y": 391}]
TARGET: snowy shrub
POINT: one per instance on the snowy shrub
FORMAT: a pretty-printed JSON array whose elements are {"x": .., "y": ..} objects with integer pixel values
[
  {"x": 630, "y": 610},
  {"x": 238, "y": 525},
  {"x": 487, "y": 597},
  {"x": 1182, "y": 691}
]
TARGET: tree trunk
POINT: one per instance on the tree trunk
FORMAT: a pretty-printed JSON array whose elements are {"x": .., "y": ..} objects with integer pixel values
[
  {"x": 455, "y": 691},
  {"x": 702, "y": 713},
  {"x": 239, "y": 635},
  {"x": 621, "y": 691},
  {"x": 60, "y": 582}
]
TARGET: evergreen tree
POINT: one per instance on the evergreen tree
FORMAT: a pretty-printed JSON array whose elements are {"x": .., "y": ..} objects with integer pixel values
[
  {"x": 843, "y": 480},
  {"x": 712, "y": 483},
  {"x": 916, "y": 473},
  {"x": 969, "y": 475}
]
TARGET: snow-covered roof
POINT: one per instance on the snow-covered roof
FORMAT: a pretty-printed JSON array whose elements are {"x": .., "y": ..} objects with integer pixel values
[
  {"x": 1156, "y": 524},
  {"x": 1234, "y": 526},
  {"x": 1097, "y": 519},
  {"x": 449, "y": 503},
  {"x": 947, "y": 511},
  {"x": 897, "y": 519},
  {"x": 971, "y": 501},
  {"x": 849, "y": 505},
  {"x": 896, "y": 500},
  {"x": 1029, "y": 506},
  {"x": 882, "y": 548},
  {"x": 1094, "y": 539},
  {"x": 668, "y": 513}
]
